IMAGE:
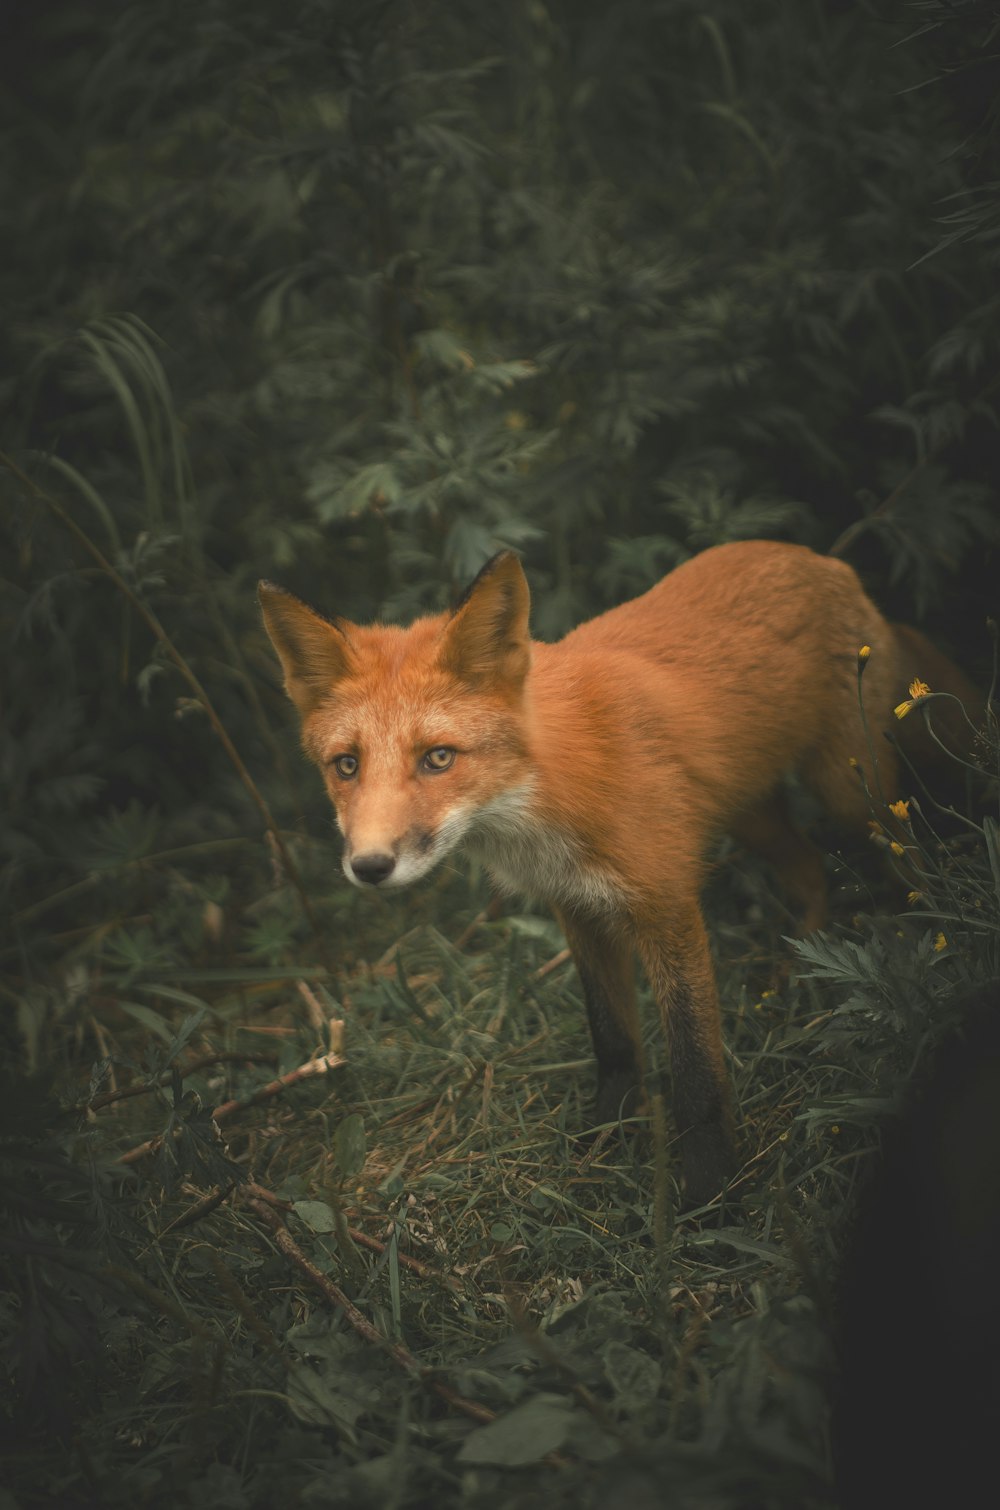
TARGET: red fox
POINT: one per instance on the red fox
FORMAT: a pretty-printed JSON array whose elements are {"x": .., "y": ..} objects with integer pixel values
[{"x": 594, "y": 774}]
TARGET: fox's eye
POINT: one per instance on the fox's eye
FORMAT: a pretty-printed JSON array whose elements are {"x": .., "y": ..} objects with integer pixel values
[
  {"x": 346, "y": 766},
  {"x": 439, "y": 759}
]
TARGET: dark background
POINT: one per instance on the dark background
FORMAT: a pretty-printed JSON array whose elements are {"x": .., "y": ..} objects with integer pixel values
[{"x": 351, "y": 295}]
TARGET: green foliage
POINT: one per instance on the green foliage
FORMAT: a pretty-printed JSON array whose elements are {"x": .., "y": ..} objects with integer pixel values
[{"x": 351, "y": 294}]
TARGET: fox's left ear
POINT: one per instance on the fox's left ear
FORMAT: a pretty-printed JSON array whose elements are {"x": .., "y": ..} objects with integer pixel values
[
  {"x": 314, "y": 652},
  {"x": 487, "y": 637}
]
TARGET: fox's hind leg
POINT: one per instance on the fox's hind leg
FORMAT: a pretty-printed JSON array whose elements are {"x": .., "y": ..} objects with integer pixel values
[
  {"x": 768, "y": 830},
  {"x": 852, "y": 767}
]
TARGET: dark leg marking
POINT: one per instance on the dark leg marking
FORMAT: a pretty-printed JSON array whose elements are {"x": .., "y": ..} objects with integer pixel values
[
  {"x": 702, "y": 1102},
  {"x": 683, "y": 981},
  {"x": 603, "y": 959}
]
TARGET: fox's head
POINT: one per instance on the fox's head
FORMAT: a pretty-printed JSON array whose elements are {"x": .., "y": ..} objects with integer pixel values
[{"x": 419, "y": 732}]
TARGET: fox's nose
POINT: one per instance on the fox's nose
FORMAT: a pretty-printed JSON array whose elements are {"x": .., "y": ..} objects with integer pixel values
[{"x": 373, "y": 868}]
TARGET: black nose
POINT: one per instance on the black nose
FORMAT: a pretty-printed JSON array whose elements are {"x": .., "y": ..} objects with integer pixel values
[{"x": 373, "y": 868}]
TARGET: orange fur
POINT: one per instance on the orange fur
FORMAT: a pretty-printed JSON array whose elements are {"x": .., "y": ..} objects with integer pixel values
[{"x": 595, "y": 773}]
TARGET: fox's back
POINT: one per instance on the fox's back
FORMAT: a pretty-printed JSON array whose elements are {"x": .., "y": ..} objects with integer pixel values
[
  {"x": 737, "y": 666},
  {"x": 760, "y": 609}
]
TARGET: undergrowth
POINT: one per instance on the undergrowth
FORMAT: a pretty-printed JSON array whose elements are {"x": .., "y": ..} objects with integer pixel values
[
  {"x": 387, "y": 1269},
  {"x": 294, "y": 1207}
]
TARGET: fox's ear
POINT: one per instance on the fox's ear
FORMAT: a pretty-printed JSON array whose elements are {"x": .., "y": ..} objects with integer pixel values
[
  {"x": 487, "y": 638},
  {"x": 313, "y": 651}
]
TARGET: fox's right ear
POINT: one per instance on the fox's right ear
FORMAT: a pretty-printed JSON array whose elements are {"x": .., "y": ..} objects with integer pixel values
[
  {"x": 487, "y": 637},
  {"x": 313, "y": 651}
]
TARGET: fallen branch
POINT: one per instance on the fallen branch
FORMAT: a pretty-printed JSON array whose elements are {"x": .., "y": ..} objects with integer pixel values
[
  {"x": 551, "y": 964},
  {"x": 305, "y": 1071},
  {"x": 362, "y": 1239},
  {"x": 204, "y": 1207},
  {"x": 400, "y": 1354},
  {"x": 230, "y": 1108},
  {"x": 146, "y": 1087}
]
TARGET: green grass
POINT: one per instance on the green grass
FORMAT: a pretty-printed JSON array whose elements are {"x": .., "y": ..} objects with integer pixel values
[{"x": 536, "y": 1320}]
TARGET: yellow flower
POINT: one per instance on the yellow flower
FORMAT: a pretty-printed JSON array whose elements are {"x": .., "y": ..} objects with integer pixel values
[
  {"x": 897, "y": 849},
  {"x": 919, "y": 688},
  {"x": 875, "y": 826},
  {"x": 940, "y": 943},
  {"x": 900, "y": 809},
  {"x": 835, "y": 1128},
  {"x": 863, "y": 655},
  {"x": 913, "y": 897},
  {"x": 901, "y": 709}
]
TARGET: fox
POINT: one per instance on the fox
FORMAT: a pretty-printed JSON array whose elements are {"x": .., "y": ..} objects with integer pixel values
[{"x": 597, "y": 773}]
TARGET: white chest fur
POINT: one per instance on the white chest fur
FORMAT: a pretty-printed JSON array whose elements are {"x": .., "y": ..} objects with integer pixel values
[{"x": 525, "y": 855}]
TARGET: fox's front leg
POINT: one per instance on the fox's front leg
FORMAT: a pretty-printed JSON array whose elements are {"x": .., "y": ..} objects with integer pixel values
[
  {"x": 675, "y": 953},
  {"x": 603, "y": 954}
]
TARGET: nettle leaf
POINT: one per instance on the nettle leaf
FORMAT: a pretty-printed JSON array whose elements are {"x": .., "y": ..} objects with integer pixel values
[
  {"x": 443, "y": 348},
  {"x": 634, "y": 1376},
  {"x": 66, "y": 794},
  {"x": 317, "y": 1401},
  {"x": 317, "y": 1215},
  {"x": 376, "y": 485},
  {"x": 136, "y": 951},
  {"x": 523, "y": 1435},
  {"x": 350, "y": 1146},
  {"x": 122, "y": 835},
  {"x": 497, "y": 377},
  {"x": 467, "y": 546}
]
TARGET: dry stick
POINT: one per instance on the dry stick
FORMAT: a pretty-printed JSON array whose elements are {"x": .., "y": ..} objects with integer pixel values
[
  {"x": 552, "y": 964},
  {"x": 147, "y": 1087},
  {"x": 417, "y": 1265},
  {"x": 318, "y": 1066},
  {"x": 321, "y": 1022},
  {"x": 456, "y": 1101},
  {"x": 360, "y": 1323},
  {"x": 845, "y": 540},
  {"x": 410, "y": 1112},
  {"x": 489, "y": 914},
  {"x": 157, "y": 629},
  {"x": 467, "y": 932},
  {"x": 422, "y": 1270},
  {"x": 263, "y": 1194},
  {"x": 203, "y": 1207},
  {"x": 229, "y": 1108}
]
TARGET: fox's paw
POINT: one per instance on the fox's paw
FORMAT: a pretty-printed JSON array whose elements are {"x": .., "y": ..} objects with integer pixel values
[
  {"x": 708, "y": 1163},
  {"x": 619, "y": 1097}
]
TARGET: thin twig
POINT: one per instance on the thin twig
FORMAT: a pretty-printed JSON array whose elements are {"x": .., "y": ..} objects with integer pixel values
[
  {"x": 160, "y": 634},
  {"x": 847, "y": 538},
  {"x": 417, "y": 1265},
  {"x": 229, "y": 1109},
  {"x": 363, "y": 1240},
  {"x": 364, "y": 1328},
  {"x": 552, "y": 964},
  {"x": 204, "y": 1207},
  {"x": 146, "y": 1087},
  {"x": 305, "y": 1071}
]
